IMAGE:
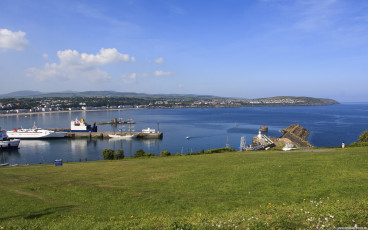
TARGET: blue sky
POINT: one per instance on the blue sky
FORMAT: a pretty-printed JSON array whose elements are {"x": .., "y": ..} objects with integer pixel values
[{"x": 232, "y": 48}]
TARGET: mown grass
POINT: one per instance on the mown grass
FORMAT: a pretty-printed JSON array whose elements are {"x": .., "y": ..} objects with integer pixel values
[{"x": 257, "y": 190}]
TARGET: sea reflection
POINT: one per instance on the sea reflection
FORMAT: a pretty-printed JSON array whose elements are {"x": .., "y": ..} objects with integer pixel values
[
  {"x": 35, "y": 144},
  {"x": 5, "y": 155}
]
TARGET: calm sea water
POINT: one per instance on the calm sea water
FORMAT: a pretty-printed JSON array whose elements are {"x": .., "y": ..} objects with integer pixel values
[{"x": 208, "y": 128}]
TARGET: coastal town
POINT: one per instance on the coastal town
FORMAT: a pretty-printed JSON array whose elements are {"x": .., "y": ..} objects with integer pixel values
[{"x": 58, "y": 104}]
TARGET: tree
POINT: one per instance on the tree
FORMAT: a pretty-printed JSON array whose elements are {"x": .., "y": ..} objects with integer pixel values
[
  {"x": 165, "y": 153},
  {"x": 119, "y": 155},
  {"x": 364, "y": 136},
  {"x": 139, "y": 153},
  {"x": 108, "y": 154}
]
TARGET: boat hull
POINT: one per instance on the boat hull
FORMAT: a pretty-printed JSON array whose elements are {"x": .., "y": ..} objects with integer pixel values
[
  {"x": 36, "y": 135},
  {"x": 118, "y": 136},
  {"x": 9, "y": 144}
]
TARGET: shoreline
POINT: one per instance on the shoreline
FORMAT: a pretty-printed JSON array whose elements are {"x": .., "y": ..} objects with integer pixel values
[
  {"x": 104, "y": 110},
  {"x": 72, "y": 111}
]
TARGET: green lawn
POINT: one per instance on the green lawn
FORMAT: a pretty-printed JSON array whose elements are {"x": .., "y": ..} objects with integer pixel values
[{"x": 258, "y": 190}]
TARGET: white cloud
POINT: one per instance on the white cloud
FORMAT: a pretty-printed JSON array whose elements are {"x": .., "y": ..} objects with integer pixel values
[
  {"x": 162, "y": 73},
  {"x": 13, "y": 40},
  {"x": 45, "y": 56},
  {"x": 159, "y": 60},
  {"x": 134, "y": 76},
  {"x": 74, "y": 64},
  {"x": 316, "y": 14}
]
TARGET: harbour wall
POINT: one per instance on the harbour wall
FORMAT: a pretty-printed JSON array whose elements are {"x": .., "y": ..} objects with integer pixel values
[{"x": 157, "y": 135}]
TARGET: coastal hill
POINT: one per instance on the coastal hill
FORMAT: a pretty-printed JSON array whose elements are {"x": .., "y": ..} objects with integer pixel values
[
  {"x": 70, "y": 100},
  {"x": 37, "y": 94}
]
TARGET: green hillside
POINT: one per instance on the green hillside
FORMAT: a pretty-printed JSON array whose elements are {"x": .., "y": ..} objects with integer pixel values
[{"x": 285, "y": 190}]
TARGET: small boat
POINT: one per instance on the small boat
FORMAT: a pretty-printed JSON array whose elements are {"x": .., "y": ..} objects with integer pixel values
[
  {"x": 6, "y": 143},
  {"x": 288, "y": 147},
  {"x": 187, "y": 138},
  {"x": 148, "y": 130}
]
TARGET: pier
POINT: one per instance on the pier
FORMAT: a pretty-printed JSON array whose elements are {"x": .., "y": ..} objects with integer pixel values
[{"x": 103, "y": 135}]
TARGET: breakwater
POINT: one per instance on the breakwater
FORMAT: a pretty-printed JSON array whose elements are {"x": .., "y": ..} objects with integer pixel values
[{"x": 157, "y": 135}]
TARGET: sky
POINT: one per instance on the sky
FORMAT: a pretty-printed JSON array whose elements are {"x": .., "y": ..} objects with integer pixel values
[{"x": 229, "y": 48}]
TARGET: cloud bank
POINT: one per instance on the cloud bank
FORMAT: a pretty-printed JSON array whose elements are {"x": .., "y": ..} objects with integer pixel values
[
  {"x": 13, "y": 40},
  {"x": 74, "y": 64}
]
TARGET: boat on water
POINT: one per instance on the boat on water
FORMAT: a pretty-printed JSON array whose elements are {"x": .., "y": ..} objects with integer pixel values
[
  {"x": 35, "y": 133},
  {"x": 82, "y": 126},
  {"x": 6, "y": 142},
  {"x": 124, "y": 135},
  {"x": 148, "y": 130}
]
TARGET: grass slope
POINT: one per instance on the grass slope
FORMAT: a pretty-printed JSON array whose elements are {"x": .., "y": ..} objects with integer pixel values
[{"x": 232, "y": 190}]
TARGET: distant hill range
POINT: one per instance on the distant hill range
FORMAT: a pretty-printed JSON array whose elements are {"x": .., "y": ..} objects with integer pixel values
[
  {"x": 37, "y": 94},
  {"x": 270, "y": 101}
]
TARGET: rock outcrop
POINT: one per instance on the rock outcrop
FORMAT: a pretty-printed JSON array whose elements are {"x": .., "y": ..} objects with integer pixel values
[{"x": 297, "y": 134}]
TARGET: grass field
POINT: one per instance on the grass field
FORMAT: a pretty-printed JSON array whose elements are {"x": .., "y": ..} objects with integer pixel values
[{"x": 257, "y": 190}]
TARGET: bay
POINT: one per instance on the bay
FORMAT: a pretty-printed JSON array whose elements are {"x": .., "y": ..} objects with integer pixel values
[{"x": 208, "y": 128}]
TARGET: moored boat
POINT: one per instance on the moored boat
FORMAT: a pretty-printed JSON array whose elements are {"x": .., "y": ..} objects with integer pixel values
[
  {"x": 123, "y": 136},
  {"x": 82, "y": 126},
  {"x": 34, "y": 133},
  {"x": 6, "y": 143}
]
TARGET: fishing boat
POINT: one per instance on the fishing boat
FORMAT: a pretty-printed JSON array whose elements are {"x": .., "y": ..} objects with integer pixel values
[
  {"x": 6, "y": 143},
  {"x": 34, "y": 133}
]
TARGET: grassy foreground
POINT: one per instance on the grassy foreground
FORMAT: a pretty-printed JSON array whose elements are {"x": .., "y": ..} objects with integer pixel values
[{"x": 258, "y": 190}]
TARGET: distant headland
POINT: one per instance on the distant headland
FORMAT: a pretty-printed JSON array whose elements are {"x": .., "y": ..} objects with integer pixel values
[{"x": 37, "y": 102}]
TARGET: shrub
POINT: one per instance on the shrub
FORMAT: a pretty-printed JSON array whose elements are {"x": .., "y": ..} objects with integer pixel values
[
  {"x": 358, "y": 144},
  {"x": 108, "y": 154},
  {"x": 165, "y": 153},
  {"x": 148, "y": 154},
  {"x": 119, "y": 155},
  {"x": 364, "y": 136},
  {"x": 139, "y": 153}
]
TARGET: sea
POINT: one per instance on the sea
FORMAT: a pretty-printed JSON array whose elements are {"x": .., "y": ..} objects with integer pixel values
[{"x": 208, "y": 128}]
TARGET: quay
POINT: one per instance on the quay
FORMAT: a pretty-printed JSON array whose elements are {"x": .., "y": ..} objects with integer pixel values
[{"x": 156, "y": 135}]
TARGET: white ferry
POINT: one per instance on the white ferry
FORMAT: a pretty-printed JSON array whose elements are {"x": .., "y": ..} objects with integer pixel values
[
  {"x": 34, "y": 133},
  {"x": 82, "y": 126},
  {"x": 6, "y": 143}
]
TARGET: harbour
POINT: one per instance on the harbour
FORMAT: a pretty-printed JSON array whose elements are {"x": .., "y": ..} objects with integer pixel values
[{"x": 207, "y": 129}]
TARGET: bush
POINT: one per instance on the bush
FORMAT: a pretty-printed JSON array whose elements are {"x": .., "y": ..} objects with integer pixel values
[
  {"x": 358, "y": 144},
  {"x": 108, "y": 154},
  {"x": 165, "y": 153},
  {"x": 119, "y": 155},
  {"x": 148, "y": 154},
  {"x": 139, "y": 153},
  {"x": 364, "y": 136}
]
